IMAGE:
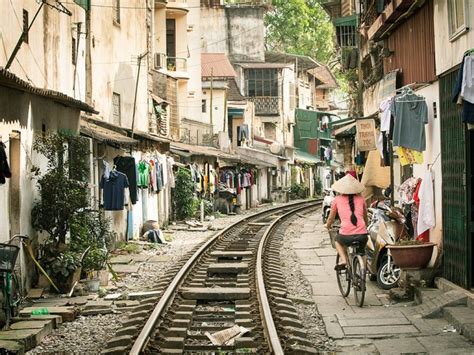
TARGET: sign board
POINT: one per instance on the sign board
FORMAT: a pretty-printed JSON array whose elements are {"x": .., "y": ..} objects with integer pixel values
[{"x": 366, "y": 135}]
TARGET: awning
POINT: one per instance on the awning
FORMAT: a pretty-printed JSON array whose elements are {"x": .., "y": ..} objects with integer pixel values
[
  {"x": 256, "y": 162},
  {"x": 344, "y": 129},
  {"x": 306, "y": 157},
  {"x": 103, "y": 134},
  {"x": 151, "y": 137},
  {"x": 158, "y": 99},
  {"x": 189, "y": 150}
]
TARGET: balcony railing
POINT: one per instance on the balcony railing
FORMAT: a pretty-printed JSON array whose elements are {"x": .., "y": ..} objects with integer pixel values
[
  {"x": 266, "y": 105},
  {"x": 175, "y": 64}
]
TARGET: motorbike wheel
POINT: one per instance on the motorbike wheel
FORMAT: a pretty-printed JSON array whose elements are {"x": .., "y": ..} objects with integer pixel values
[
  {"x": 343, "y": 280},
  {"x": 387, "y": 280}
]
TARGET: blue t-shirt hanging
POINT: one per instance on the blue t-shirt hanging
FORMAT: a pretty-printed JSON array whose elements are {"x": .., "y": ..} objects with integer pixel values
[{"x": 114, "y": 190}]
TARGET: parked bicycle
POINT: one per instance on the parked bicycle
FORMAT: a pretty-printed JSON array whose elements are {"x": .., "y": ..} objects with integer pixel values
[
  {"x": 9, "y": 282},
  {"x": 353, "y": 274}
]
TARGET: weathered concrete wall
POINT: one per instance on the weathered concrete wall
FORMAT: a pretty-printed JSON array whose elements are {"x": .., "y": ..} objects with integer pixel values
[
  {"x": 115, "y": 48},
  {"x": 219, "y": 110},
  {"x": 449, "y": 53},
  {"x": 240, "y": 34},
  {"x": 46, "y": 59},
  {"x": 23, "y": 116}
]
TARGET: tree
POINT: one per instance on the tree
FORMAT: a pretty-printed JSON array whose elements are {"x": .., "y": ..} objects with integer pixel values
[{"x": 300, "y": 27}]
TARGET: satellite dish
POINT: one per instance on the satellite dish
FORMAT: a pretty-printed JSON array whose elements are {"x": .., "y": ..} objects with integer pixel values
[{"x": 275, "y": 148}]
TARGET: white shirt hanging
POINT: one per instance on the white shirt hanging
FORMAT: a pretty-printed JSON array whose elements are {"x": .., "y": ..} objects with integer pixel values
[
  {"x": 467, "y": 87},
  {"x": 426, "y": 212}
]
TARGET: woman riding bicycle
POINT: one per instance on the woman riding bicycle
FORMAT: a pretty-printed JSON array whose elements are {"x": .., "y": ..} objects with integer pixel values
[{"x": 352, "y": 211}]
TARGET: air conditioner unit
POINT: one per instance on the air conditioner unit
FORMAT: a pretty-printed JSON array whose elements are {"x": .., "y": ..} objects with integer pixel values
[{"x": 159, "y": 61}]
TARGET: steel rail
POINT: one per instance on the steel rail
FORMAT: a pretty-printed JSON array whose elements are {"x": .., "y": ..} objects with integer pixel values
[
  {"x": 267, "y": 318},
  {"x": 144, "y": 336}
]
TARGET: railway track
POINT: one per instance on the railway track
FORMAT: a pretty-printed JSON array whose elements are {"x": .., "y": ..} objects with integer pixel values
[{"x": 232, "y": 289}]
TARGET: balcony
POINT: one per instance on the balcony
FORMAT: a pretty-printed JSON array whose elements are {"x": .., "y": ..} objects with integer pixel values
[
  {"x": 177, "y": 7},
  {"x": 173, "y": 66},
  {"x": 266, "y": 105}
]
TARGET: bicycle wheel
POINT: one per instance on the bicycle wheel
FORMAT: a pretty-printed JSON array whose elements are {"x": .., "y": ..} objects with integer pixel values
[
  {"x": 359, "y": 280},
  {"x": 343, "y": 280}
]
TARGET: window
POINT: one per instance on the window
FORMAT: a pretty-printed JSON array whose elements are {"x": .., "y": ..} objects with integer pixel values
[
  {"x": 204, "y": 106},
  {"x": 25, "y": 26},
  {"x": 346, "y": 36},
  {"x": 262, "y": 82},
  {"x": 457, "y": 12},
  {"x": 73, "y": 51},
  {"x": 116, "y": 11},
  {"x": 116, "y": 109}
]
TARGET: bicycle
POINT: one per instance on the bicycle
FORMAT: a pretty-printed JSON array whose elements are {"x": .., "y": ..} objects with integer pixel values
[
  {"x": 354, "y": 273},
  {"x": 8, "y": 278}
]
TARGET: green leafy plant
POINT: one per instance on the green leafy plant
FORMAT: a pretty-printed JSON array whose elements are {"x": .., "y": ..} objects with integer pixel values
[
  {"x": 298, "y": 191},
  {"x": 63, "y": 208},
  {"x": 184, "y": 205},
  {"x": 318, "y": 186}
]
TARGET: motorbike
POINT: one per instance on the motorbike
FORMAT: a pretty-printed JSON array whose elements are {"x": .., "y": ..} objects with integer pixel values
[
  {"x": 387, "y": 225},
  {"x": 329, "y": 196}
]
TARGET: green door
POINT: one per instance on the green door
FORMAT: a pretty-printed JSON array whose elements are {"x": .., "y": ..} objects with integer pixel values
[{"x": 457, "y": 239}]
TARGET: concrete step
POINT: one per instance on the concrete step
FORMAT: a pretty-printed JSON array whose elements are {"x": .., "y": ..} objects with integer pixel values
[
  {"x": 462, "y": 318},
  {"x": 434, "y": 301}
]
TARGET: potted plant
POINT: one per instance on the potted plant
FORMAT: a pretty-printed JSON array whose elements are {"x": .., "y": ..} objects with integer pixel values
[
  {"x": 411, "y": 254},
  {"x": 93, "y": 262}
]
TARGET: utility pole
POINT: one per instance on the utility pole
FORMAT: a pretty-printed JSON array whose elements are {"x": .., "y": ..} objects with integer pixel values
[
  {"x": 140, "y": 57},
  {"x": 211, "y": 105}
]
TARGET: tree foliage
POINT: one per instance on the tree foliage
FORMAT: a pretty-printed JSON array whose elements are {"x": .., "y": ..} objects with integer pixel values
[
  {"x": 300, "y": 27},
  {"x": 183, "y": 195}
]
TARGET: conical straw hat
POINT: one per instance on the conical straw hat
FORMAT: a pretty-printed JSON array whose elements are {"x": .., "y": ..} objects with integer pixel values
[{"x": 348, "y": 186}]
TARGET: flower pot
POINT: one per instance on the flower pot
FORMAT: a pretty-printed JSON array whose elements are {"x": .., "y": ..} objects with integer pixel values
[
  {"x": 93, "y": 285},
  {"x": 412, "y": 256}
]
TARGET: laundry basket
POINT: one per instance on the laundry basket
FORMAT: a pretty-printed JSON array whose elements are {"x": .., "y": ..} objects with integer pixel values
[{"x": 8, "y": 255}]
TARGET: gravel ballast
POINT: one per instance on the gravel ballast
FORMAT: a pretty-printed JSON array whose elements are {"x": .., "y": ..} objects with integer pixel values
[{"x": 90, "y": 334}]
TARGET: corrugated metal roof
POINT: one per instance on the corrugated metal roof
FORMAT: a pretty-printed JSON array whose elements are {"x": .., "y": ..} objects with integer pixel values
[
  {"x": 234, "y": 92},
  {"x": 201, "y": 150},
  {"x": 324, "y": 75},
  {"x": 306, "y": 157},
  {"x": 10, "y": 80},
  {"x": 216, "y": 65},
  {"x": 103, "y": 134},
  {"x": 303, "y": 61},
  {"x": 265, "y": 65}
]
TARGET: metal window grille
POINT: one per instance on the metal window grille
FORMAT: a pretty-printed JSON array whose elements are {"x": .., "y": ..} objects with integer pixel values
[
  {"x": 116, "y": 10},
  {"x": 73, "y": 50},
  {"x": 25, "y": 26},
  {"x": 116, "y": 109},
  {"x": 346, "y": 36}
]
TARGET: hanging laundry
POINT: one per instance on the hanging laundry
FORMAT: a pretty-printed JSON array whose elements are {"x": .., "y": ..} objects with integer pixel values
[
  {"x": 114, "y": 190},
  {"x": 159, "y": 175},
  {"x": 426, "y": 214},
  {"x": 106, "y": 169},
  {"x": 385, "y": 115},
  {"x": 409, "y": 156},
  {"x": 153, "y": 179},
  {"x": 127, "y": 166},
  {"x": 464, "y": 81},
  {"x": 4, "y": 167},
  {"x": 407, "y": 190},
  {"x": 411, "y": 115},
  {"x": 171, "y": 179},
  {"x": 143, "y": 174}
]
